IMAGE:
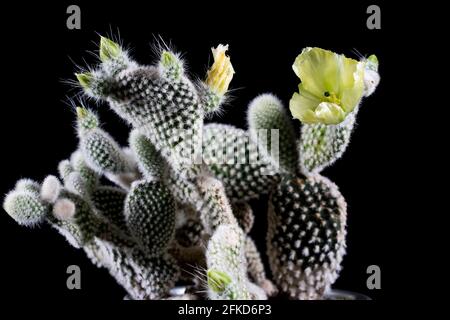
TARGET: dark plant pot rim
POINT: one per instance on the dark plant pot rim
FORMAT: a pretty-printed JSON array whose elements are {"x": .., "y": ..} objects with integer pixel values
[{"x": 335, "y": 294}]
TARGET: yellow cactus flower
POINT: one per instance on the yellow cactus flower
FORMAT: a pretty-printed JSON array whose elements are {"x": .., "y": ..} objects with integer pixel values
[
  {"x": 221, "y": 72},
  {"x": 331, "y": 86}
]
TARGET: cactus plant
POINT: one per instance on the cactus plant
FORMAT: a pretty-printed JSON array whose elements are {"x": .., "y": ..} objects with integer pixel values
[
  {"x": 307, "y": 213},
  {"x": 173, "y": 204}
]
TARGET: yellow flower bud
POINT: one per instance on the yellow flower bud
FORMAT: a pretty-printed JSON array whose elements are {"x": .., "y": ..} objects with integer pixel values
[{"x": 221, "y": 72}]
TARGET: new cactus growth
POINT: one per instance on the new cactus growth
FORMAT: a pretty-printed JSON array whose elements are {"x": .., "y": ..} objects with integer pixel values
[
  {"x": 227, "y": 267},
  {"x": 174, "y": 204}
]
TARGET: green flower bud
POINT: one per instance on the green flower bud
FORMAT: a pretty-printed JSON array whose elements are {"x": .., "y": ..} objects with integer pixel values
[
  {"x": 218, "y": 280},
  {"x": 108, "y": 49},
  {"x": 372, "y": 62},
  {"x": 85, "y": 79}
]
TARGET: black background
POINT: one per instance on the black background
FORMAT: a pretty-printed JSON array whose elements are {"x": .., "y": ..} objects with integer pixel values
[{"x": 37, "y": 130}]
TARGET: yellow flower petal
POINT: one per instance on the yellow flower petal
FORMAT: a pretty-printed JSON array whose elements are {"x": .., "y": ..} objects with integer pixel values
[
  {"x": 353, "y": 87},
  {"x": 221, "y": 72},
  {"x": 318, "y": 70},
  {"x": 302, "y": 107},
  {"x": 329, "y": 113}
]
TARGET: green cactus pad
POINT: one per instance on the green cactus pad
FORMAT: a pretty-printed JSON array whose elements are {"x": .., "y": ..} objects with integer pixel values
[
  {"x": 150, "y": 215},
  {"x": 306, "y": 235}
]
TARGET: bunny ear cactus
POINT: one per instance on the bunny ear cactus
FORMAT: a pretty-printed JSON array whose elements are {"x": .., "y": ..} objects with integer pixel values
[
  {"x": 101, "y": 152},
  {"x": 307, "y": 214},
  {"x": 167, "y": 109},
  {"x": 89, "y": 176},
  {"x": 246, "y": 173},
  {"x": 182, "y": 188},
  {"x": 150, "y": 214},
  {"x": 110, "y": 202},
  {"x": 25, "y": 207},
  {"x": 216, "y": 209},
  {"x": 64, "y": 209},
  {"x": 91, "y": 216},
  {"x": 149, "y": 160},
  {"x": 266, "y": 118},
  {"x": 306, "y": 235},
  {"x": 162, "y": 101}
]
